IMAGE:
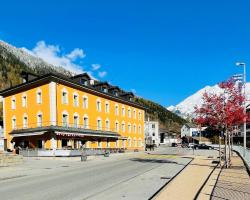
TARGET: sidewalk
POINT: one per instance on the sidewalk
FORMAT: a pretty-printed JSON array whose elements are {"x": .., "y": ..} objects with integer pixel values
[
  {"x": 233, "y": 183},
  {"x": 186, "y": 185}
]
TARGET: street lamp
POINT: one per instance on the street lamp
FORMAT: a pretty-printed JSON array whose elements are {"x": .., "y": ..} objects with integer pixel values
[{"x": 242, "y": 64}]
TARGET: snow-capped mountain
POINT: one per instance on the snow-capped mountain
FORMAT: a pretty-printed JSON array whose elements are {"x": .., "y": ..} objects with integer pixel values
[
  {"x": 33, "y": 62},
  {"x": 186, "y": 107}
]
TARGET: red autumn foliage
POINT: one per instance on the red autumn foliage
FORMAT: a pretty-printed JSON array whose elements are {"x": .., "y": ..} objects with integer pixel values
[{"x": 222, "y": 111}]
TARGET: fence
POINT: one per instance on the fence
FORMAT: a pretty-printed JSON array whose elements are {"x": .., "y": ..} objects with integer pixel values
[{"x": 240, "y": 150}]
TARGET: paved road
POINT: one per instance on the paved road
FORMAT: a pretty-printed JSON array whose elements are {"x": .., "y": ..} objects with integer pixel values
[{"x": 132, "y": 176}]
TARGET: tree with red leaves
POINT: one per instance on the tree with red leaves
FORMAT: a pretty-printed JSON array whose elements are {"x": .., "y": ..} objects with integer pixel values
[{"x": 222, "y": 111}]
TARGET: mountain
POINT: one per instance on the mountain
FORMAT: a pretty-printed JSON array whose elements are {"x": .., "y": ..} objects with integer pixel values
[
  {"x": 186, "y": 107},
  {"x": 15, "y": 60}
]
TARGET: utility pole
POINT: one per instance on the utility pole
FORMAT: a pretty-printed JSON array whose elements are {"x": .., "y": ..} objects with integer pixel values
[{"x": 244, "y": 93}]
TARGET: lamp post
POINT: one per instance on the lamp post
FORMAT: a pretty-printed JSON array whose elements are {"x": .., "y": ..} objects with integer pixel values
[{"x": 242, "y": 64}]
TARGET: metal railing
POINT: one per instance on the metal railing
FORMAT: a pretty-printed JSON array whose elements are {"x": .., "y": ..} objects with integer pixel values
[{"x": 240, "y": 150}]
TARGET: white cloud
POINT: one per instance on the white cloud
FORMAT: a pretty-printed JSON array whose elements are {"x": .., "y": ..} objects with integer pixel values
[
  {"x": 102, "y": 74},
  {"x": 53, "y": 55},
  {"x": 95, "y": 67},
  {"x": 76, "y": 53}
]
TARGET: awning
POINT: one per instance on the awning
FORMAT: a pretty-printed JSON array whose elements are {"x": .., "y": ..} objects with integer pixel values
[{"x": 27, "y": 134}]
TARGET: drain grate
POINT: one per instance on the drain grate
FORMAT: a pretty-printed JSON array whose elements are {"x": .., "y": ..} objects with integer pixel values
[{"x": 165, "y": 177}]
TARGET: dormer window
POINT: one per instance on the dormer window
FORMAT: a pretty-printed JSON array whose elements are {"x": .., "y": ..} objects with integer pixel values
[
  {"x": 84, "y": 82},
  {"x": 116, "y": 94},
  {"x": 105, "y": 90}
]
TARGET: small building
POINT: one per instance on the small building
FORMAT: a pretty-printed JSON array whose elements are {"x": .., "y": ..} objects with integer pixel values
[
  {"x": 191, "y": 130},
  {"x": 152, "y": 132},
  {"x": 167, "y": 137}
]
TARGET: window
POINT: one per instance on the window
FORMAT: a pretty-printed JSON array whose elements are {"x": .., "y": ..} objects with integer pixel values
[
  {"x": 106, "y": 107},
  {"x": 116, "y": 126},
  {"x": 153, "y": 134},
  {"x": 85, "y": 122},
  {"x": 134, "y": 113},
  {"x": 107, "y": 125},
  {"x": 135, "y": 143},
  {"x": 13, "y": 123},
  {"x": 13, "y": 103},
  {"x": 25, "y": 122},
  {"x": 76, "y": 121},
  {"x": 116, "y": 110},
  {"x": 39, "y": 97},
  {"x": 129, "y": 142},
  {"x": 153, "y": 126},
  {"x": 98, "y": 105},
  {"x": 99, "y": 124},
  {"x": 85, "y": 102},
  {"x": 65, "y": 97},
  {"x": 123, "y": 127},
  {"x": 139, "y": 129},
  {"x": 105, "y": 90},
  {"x": 129, "y": 113},
  {"x": 65, "y": 120},
  {"x": 139, "y": 115},
  {"x": 134, "y": 128},
  {"x": 24, "y": 101},
  {"x": 123, "y": 111},
  {"x": 76, "y": 100},
  {"x": 39, "y": 120},
  {"x": 129, "y": 128}
]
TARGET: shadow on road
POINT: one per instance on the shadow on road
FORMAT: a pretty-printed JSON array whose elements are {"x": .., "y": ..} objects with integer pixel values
[{"x": 150, "y": 160}]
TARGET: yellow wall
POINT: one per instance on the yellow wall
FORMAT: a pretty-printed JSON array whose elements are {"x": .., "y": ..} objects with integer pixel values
[
  {"x": 31, "y": 110},
  {"x": 93, "y": 114}
]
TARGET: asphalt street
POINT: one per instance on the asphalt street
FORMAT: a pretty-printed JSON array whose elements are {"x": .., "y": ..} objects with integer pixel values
[{"x": 128, "y": 176}]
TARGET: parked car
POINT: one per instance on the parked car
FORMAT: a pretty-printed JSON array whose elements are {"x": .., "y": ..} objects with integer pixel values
[{"x": 202, "y": 146}]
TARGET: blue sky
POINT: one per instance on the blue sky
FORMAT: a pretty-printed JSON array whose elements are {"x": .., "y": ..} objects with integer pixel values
[{"x": 164, "y": 50}]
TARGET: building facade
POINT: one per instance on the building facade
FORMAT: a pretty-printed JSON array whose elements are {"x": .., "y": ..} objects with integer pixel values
[
  {"x": 191, "y": 130},
  {"x": 152, "y": 132},
  {"x": 56, "y": 112}
]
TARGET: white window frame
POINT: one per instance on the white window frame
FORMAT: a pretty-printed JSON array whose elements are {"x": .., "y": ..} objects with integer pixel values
[
  {"x": 99, "y": 125},
  {"x": 13, "y": 103},
  {"x": 123, "y": 127},
  {"x": 134, "y": 128},
  {"x": 129, "y": 127},
  {"x": 65, "y": 124},
  {"x": 117, "y": 126},
  {"x": 107, "y": 107},
  {"x": 85, "y": 102},
  {"x": 129, "y": 112},
  {"x": 39, "y": 123},
  {"x": 123, "y": 111},
  {"x": 86, "y": 126},
  {"x": 107, "y": 125},
  {"x": 77, "y": 123},
  {"x": 39, "y": 96},
  {"x": 98, "y": 105},
  {"x": 24, "y": 101},
  {"x": 65, "y": 100},
  {"x": 75, "y": 101},
  {"x": 134, "y": 114},
  {"x": 25, "y": 123},
  {"x": 139, "y": 115},
  {"x": 13, "y": 123},
  {"x": 116, "y": 109}
]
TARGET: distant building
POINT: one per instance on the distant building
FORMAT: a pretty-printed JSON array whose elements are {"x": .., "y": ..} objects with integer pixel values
[
  {"x": 152, "y": 132},
  {"x": 167, "y": 137},
  {"x": 191, "y": 130}
]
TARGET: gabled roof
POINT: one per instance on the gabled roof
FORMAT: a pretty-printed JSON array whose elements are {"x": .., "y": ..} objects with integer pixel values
[{"x": 190, "y": 125}]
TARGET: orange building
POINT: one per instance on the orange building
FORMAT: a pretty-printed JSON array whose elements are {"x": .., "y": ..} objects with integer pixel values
[{"x": 56, "y": 112}]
